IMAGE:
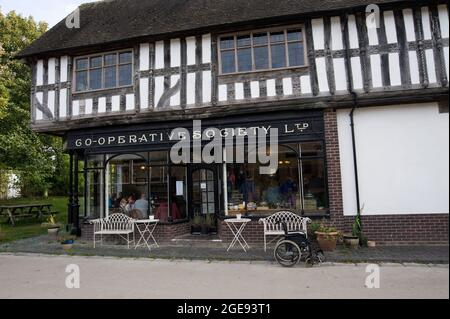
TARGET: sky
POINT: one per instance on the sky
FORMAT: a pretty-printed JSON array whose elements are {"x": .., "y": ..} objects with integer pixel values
[{"x": 50, "y": 11}]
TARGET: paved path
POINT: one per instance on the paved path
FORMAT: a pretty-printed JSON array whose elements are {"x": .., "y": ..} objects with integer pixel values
[
  {"x": 218, "y": 251},
  {"x": 32, "y": 276}
]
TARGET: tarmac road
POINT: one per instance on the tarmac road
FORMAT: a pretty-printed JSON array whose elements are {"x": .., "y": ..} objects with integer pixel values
[{"x": 37, "y": 276}]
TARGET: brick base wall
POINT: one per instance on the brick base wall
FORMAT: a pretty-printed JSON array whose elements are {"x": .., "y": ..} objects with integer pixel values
[
  {"x": 407, "y": 229},
  {"x": 253, "y": 233}
]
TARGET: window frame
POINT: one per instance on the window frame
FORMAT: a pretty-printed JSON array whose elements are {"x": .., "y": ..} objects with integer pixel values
[
  {"x": 268, "y": 31},
  {"x": 102, "y": 67}
]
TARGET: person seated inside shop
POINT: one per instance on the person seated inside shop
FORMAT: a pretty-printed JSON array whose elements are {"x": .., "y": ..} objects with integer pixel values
[
  {"x": 289, "y": 191},
  {"x": 127, "y": 204},
  {"x": 117, "y": 199},
  {"x": 142, "y": 206},
  {"x": 112, "y": 200},
  {"x": 114, "y": 203}
]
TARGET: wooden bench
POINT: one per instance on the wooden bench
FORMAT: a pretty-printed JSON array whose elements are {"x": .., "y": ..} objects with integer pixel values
[
  {"x": 50, "y": 213},
  {"x": 273, "y": 226},
  {"x": 116, "y": 224},
  {"x": 14, "y": 212}
]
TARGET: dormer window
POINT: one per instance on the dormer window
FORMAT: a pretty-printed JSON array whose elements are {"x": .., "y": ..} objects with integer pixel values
[
  {"x": 262, "y": 50},
  {"x": 104, "y": 71}
]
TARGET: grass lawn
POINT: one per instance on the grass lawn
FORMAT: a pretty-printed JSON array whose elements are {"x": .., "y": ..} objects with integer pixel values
[{"x": 30, "y": 227}]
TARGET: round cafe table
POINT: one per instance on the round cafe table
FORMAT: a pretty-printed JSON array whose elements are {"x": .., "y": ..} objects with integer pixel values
[{"x": 237, "y": 227}]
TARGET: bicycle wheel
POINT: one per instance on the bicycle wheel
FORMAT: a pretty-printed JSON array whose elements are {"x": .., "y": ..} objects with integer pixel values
[{"x": 287, "y": 253}]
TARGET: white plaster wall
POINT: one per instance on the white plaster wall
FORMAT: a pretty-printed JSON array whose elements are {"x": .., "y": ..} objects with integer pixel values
[
  {"x": 403, "y": 160},
  {"x": 143, "y": 93},
  {"x": 190, "y": 48},
  {"x": 144, "y": 57}
]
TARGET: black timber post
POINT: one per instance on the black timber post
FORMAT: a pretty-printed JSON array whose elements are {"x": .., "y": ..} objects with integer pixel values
[
  {"x": 76, "y": 230},
  {"x": 70, "y": 204}
]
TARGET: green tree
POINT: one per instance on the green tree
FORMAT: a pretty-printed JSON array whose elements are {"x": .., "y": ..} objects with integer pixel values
[{"x": 35, "y": 158}]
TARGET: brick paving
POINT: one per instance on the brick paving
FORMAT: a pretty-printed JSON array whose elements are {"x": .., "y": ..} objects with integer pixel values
[{"x": 213, "y": 250}]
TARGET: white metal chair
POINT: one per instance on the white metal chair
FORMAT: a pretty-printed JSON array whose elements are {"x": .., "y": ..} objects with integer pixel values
[
  {"x": 115, "y": 224},
  {"x": 273, "y": 226}
]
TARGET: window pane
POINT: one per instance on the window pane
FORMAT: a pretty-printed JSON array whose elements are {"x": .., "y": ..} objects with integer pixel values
[
  {"x": 278, "y": 56},
  {"x": 244, "y": 41},
  {"x": 95, "y": 79},
  {"x": 311, "y": 149},
  {"x": 96, "y": 62},
  {"x": 260, "y": 39},
  {"x": 125, "y": 75},
  {"x": 264, "y": 194},
  {"x": 81, "y": 81},
  {"x": 245, "y": 60},
  {"x": 179, "y": 192},
  {"x": 82, "y": 64},
  {"x": 228, "y": 62},
  {"x": 158, "y": 158},
  {"x": 277, "y": 37},
  {"x": 159, "y": 206},
  {"x": 110, "y": 59},
  {"x": 110, "y": 77},
  {"x": 295, "y": 35},
  {"x": 296, "y": 54},
  {"x": 227, "y": 43},
  {"x": 314, "y": 185},
  {"x": 94, "y": 184},
  {"x": 262, "y": 58},
  {"x": 125, "y": 57}
]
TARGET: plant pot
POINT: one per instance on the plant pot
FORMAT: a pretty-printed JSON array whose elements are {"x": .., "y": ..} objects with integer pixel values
[
  {"x": 327, "y": 241},
  {"x": 371, "y": 244},
  {"x": 196, "y": 230},
  {"x": 351, "y": 241},
  {"x": 213, "y": 230},
  {"x": 53, "y": 232}
]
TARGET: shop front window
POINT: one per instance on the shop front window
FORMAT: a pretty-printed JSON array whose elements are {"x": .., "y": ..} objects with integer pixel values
[
  {"x": 178, "y": 192},
  {"x": 314, "y": 183},
  {"x": 297, "y": 185},
  {"x": 92, "y": 181},
  {"x": 127, "y": 185},
  {"x": 94, "y": 187},
  {"x": 159, "y": 199}
]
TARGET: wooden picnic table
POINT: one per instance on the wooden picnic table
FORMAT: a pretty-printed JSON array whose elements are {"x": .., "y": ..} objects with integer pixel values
[{"x": 18, "y": 211}]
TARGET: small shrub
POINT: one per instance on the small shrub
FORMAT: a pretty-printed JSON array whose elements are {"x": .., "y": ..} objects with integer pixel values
[
  {"x": 197, "y": 220},
  {"x": 210, "y": 220}
]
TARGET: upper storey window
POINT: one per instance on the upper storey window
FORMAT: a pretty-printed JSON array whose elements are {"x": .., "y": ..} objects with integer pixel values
[
  {"x": 104, "y": 71},
  {"x": 262, "y": 51}
]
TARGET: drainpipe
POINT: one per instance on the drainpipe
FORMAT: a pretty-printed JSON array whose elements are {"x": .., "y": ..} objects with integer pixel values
[
  {"x": 352, "y": 122},
  {"x": 355, "y": 158}
]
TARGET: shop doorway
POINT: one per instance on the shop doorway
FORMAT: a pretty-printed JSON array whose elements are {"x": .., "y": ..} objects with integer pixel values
[{"x": 204, "y": 193}]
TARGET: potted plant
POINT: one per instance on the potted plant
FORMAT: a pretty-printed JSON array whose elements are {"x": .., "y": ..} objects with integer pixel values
[
  {"x": 52, "y": 226},
  {"x": 353, "y": 240},
  {"x": 67, "y": 242},
  {"x": 211, "y": 222},
  {"x": 327, "y": 237},
  {"x": 196, "y": 227},
  {"x": 314, "y": 226}
]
